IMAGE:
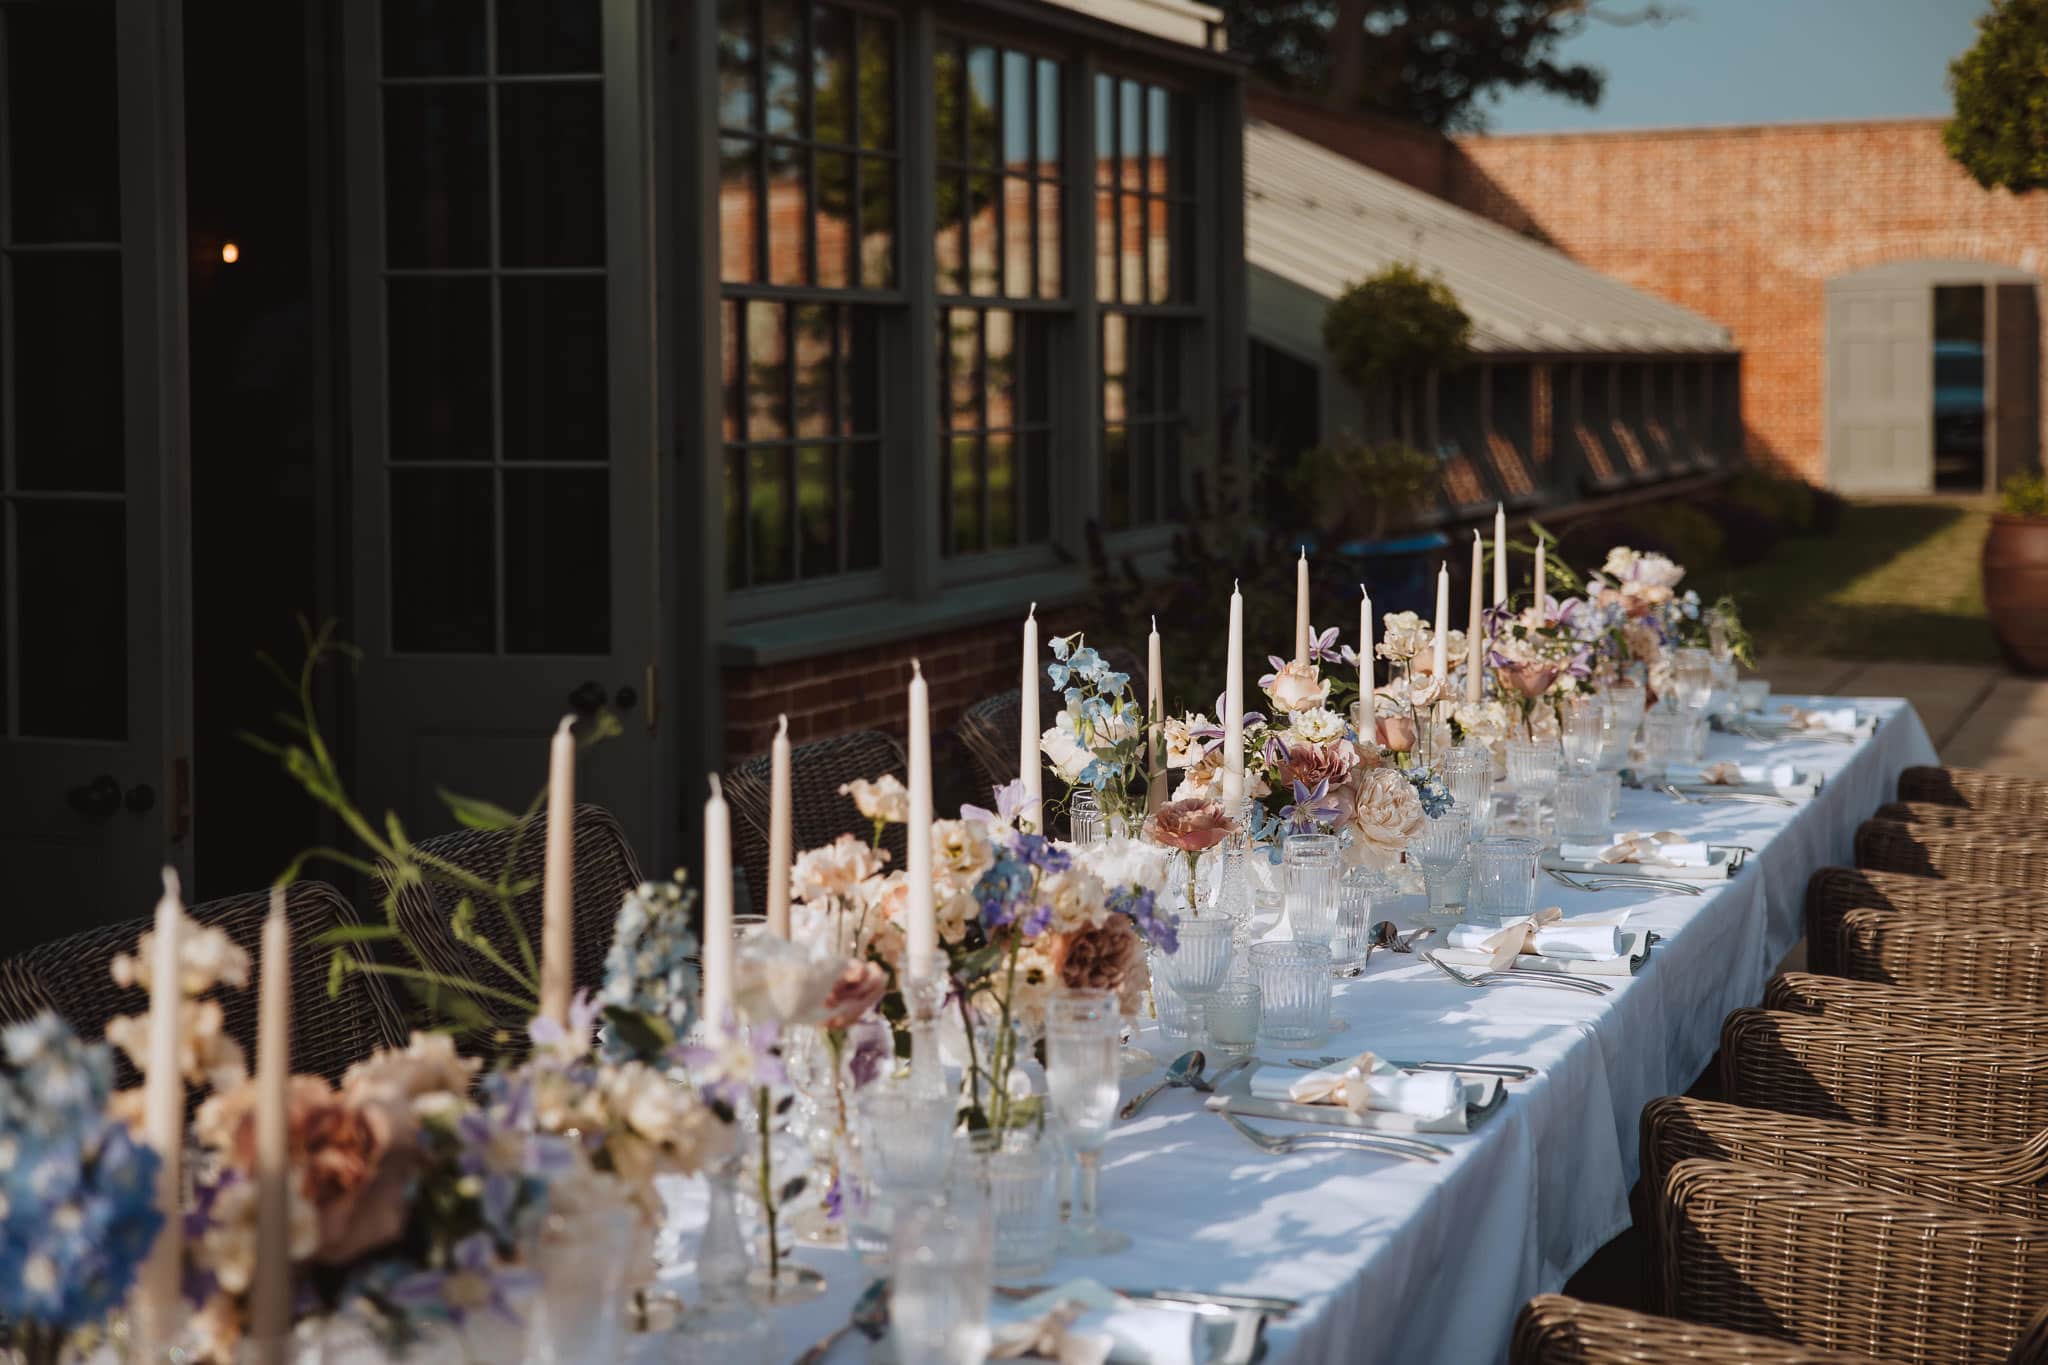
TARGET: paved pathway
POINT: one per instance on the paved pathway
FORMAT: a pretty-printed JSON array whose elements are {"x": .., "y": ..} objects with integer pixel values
[{"x": 1978, "y": 716}]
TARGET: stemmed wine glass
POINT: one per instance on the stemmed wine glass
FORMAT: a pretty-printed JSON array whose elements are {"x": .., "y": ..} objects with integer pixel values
[
  {"x": 1081, "y": 1038},
  {"x": 1198, "y": 966}
]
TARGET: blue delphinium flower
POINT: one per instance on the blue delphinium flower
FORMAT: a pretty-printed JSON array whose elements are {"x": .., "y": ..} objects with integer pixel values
[
  {"x": 474, "y": 1282},
  {"x": 504, "y": 1151},
  {"x": 649, "y": 970},
  {"x": 1431, "y": 792},
  {"x": 1160, "y": 928},
  {"x": 80, "y": 1193}
]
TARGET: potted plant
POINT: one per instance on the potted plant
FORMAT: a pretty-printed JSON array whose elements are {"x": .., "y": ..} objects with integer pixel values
[
  {"x": 1359, "y": 490},
  {"x": 2016, "y": 573}
]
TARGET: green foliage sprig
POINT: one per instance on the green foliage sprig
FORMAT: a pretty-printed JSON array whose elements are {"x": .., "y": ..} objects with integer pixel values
[
  {"x": 2025, "y": 495},
  {"x": 1351, "y": 487},
  {"x": 393, "y": 862}
]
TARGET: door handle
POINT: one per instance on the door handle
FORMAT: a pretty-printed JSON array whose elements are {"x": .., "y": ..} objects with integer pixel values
[
  {"x": 141, "y": 799},
  {"x": 625, "y": 697},
  {"x": 586, "y": 699},
  {"x": 97, "y": 799}
]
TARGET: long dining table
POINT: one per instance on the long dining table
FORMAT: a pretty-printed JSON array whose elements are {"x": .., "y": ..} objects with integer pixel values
[{"x": 1408, "y": 1262}]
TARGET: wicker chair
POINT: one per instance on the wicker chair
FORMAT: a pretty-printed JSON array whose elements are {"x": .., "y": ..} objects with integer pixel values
[
  {"x": 1976, "y": 789},
  {"x": 1835, "y": 891},
  {"x": 605, "y": 871},
  {"x": 1975, "y": 855},
  {"x": 988, "y": 730},
  {"x": 1774, "y": 1254},
  {"x": 1555, "y": 1330},
  {"x": 1899, "y": 1009},
  {"x": 818, "y": 813},
  {"x": 328, "y": 1034},
  {"x": 1803, "y": 1064},
  {"x": 1990, "y": 1177},
  {"x": 1949, "y": 819},
  {"x": 1962, "y": 958}
]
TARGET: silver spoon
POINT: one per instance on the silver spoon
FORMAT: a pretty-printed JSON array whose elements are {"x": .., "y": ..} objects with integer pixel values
[
  {"x": 1384, "y": 934},
  {"x": 1182, "y": 1070}
]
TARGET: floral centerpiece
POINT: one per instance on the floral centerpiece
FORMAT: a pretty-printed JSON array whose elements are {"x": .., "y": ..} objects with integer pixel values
[
  {"x": 80, "y": 1191},
  {"x": 1098, "y": 740}
]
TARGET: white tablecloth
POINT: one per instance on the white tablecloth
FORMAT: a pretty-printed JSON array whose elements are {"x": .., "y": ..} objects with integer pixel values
[{"x": 1403, "y": 1262}]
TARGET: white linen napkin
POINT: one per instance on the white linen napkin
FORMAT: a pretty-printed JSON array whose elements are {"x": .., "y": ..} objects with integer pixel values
[
  {"x": 1840, "y": 720},
  {"x": 1082, "y": 1323},
  {"x": 1362, "y": 1083},
  {"x": 1728, "y": 773},
  {"x": 1662, "y": 849},
  {"x": 1575, "y": 941}
]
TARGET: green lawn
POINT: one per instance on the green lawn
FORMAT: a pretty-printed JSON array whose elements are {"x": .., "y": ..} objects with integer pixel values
[{"x": 1897, "y": 580}]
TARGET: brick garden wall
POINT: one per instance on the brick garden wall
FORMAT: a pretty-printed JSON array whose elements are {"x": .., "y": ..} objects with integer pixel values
[{"x": 1746, "y": 225}]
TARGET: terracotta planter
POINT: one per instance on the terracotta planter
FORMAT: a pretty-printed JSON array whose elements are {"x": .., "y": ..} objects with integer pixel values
[{"x": 2016, "y": 589}]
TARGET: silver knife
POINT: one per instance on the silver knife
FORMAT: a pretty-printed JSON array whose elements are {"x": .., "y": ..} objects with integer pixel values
[
  {"x": 1232, "y": 1069},
  {"x": 1509, "y": 1071},
  {"x": 1259, "y": 1303}
]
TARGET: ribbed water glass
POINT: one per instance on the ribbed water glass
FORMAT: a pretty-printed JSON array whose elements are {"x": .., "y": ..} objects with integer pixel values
[
  {"x": 1532, "y": 774},
  {"x": 1583, "y": 722},
  {"x": 1582, "y": 811},
  {"x": 1440, "y": 850},
  {"x": 1468, "y": 775},
  {"x": 1198, "y": 965},
  {"x": 1752, "y": 693},
  {"x": 1084, "y": 817},
  {"x": 1355, "y": 889},
  {"x": 1233, "y": 1018},
  {"x": 1309, "y": 872},
  {"x": 1175, "y": 1022},
  {"x": 1503, "y": 881},
  {"x": 1667, "y": 738},
  {"x": 1016, "y": 1172},
  {"x": 1294, "y": 987},
  {"x": 1724, "y": 698}
]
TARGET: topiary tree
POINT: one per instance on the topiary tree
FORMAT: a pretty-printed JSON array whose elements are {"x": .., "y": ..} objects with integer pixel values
[
  {"x": 1392, "y": 329},
  {"x": 2000, "y": 130}
]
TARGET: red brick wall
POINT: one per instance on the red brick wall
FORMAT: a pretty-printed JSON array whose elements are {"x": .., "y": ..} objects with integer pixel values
[
  {"x": 865, "y": 689},
  {"x": 1746, "y": 225},
  {"x": 1405, "y": 151}
]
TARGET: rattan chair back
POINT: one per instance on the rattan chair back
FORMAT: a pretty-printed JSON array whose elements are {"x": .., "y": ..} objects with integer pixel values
[
  {"x": 71, "y": 976},
  {"x": 1774, "y": 1254},
  {"x": 1959, "y": 957},
  {"x": 1935, "y": 816},
  {"x": 1833, "y": 892},
  {"x": 1904, "y": 1009},
  {"x": 1978, "y": 856},
  {"x": 818, "y": 813},
  {"x": 1806, "y": 1064},
  {"x": 1977, "y": 789},
  {"x": 989, "y": 731},
  {"x": 1555, "y": 1330},
  {"x": 604, "y": 871}
]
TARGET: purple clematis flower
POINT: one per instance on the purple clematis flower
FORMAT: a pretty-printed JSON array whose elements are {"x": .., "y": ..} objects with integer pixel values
[{"x": 475, "y": 1282}]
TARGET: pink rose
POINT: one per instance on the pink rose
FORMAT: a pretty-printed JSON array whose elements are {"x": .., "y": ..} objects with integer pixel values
[
  {"x": 1193, "y": 826},
  {"x": 1297, "y": 688}
]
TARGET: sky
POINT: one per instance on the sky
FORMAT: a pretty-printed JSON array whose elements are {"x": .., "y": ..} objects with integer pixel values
[{"x": 1759, "y": 61}]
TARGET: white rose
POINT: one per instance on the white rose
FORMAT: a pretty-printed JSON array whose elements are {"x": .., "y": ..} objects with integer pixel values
[
  {"x": 1297, "y": 688},
  {"x": 1064, "y": 750},
  {"x": 1319, "y": 725},
  {"x": 884, "y": 799}
]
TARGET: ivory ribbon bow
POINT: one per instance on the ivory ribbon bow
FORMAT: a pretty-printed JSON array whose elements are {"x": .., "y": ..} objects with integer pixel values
[
  {"x": 1640, "y": 848},
  {"x": 1518, "y": 938},
  {"x": 1349, "y": 1087},
  {"x": 1047, "y": 1337},
  {"x": 1726, "y": 773}
]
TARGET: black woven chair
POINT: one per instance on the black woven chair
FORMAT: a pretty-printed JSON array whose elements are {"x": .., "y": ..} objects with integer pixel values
[
  {"x": 605, "y": 870},
  {"x": 818, "y": 813},
  {"x": 328, "y": 1034},
  {"x": 988, "y": 730}
]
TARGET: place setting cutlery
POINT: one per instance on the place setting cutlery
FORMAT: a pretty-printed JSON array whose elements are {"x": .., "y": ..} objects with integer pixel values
[
  {"x": 1386, "y": 934},
  {"x": 1507, "y": 1071},
  {"x": 1701, "y": 797},
  {"x": 1333, "y": 1139},
  {"x": 1482, "y": 980},
  {"x": 1586, "y": 881},
  {"x": 1186, "y": 1070}
]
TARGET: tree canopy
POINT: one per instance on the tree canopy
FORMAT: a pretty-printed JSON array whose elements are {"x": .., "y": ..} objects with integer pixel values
[
  {"x": 2000, "y": 129},
  {"x": 1430, "y": 61}
]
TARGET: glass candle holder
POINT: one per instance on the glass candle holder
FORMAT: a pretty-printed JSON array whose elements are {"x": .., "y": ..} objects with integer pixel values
[
  {"x": 1503, "y": 881},
  {"x": 1667, "y": 738},
  {"x": 1309, "y": 872},
  {"x": 1583, "y": 726},
  {"x": 1468, "y": 776},
  {"x": 1582, "y": 810},
  {"x": 1294, "y": 989},
  {"x": 1440, "y": 850},
  {"x": 1233, "y": 1018}
]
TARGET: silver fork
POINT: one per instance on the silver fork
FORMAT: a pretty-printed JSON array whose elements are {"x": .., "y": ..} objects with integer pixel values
[
  {"x": 1620, "y": 881},
  {"x": 1786, "y": 732},
  {"x": 1748, "y": 798},
  {"x": 1480, "y": 980},
  {"x": 1334, "y": 1139}
]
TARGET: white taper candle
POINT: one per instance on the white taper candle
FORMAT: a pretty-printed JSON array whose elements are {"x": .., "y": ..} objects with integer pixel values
[
  {"x": 1233, "y": 707},
  {"x": 923, "y": 928},
  {"x": 270, "y": 1308},
  {"x": 780, "y": 853},
  {"x": 1301, "y": 626},
  {"x": 1500, "y": 554},
  {"x": 558, "y": 879},
  {"x": 1474, "y": 629},
  {"x": 717, "y": 951},
  {"x": 1438, "y": 662},
  {"x": 1030, "y": 766},
  {"x": 157, "y": 1300}
]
